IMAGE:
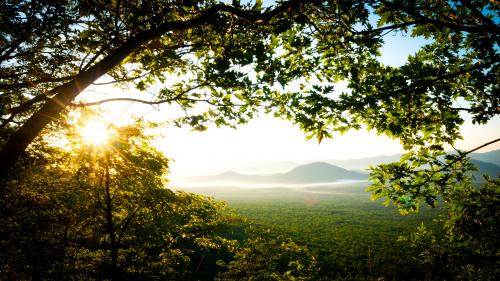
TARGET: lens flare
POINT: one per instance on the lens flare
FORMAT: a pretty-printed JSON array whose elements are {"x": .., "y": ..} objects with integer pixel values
[{"x": 95, "y": 132}]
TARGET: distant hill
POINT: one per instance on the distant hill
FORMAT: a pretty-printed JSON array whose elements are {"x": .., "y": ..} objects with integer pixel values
[
  {"x": 317, "y": 172},
  {"x": 485, "y": 168},
  {"x": 334, "y": 170},
  {"x": 364, "y": 163},
  {"x": 490, "y": 156}
]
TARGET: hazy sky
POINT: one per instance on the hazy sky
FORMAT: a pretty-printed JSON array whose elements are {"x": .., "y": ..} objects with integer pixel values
[
  {"x": 267, "y": 139},
  {"x": 256, "y": 146}
]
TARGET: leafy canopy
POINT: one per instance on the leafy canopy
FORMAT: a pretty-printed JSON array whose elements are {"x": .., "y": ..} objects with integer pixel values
[{"x": 285, "y": 59}]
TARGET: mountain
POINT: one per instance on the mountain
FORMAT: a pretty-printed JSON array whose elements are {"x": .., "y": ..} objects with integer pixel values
[
  {"x": 490, "y": 156},
  {"x": 317, "y": 172},
  {"x": 364, "y": 163},
  {"x": 330, "y": 171},
  {"x": 485, "y": 168}
]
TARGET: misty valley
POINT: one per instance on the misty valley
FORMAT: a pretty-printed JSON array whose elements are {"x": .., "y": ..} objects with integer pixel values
[
  {"x": 349, "y": 235},
  {"x": 328, "y": 210}
]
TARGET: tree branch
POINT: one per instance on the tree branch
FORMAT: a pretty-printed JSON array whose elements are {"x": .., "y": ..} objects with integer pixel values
[
  {"x": 67, "y": 92},
  {"x": 461, "y": 156},
  {"x": 430, "y": 173},
  {"x": 451, "y": 25},
  {"x": 32, "y": 84},
  {"x": 389, "y": 27},
  {"x": 481, "y": 146},
  {"x": 177, "y": 98},
  {"x": 470, "y": 110},
  {"x": 127, "y": 79},
  {"x": 478, "y": 14},
  {"x": 87, "y": 104},
  {"x": 422, "y": 84}
]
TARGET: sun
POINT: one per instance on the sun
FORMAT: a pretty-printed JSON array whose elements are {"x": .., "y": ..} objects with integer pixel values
[{"x": 95, "y": 132}]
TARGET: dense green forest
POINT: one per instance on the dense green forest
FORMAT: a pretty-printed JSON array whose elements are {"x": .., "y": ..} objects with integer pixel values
[
  {"x": 80, "y": 202},
  {"x": 350, "y": 236}
]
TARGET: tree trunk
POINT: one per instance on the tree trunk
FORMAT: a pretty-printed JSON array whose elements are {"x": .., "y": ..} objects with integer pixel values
[
  {"x": 113, "y": 245},
  {"x": 19, "y": 140},
  {"x": 66, "y": 93}
]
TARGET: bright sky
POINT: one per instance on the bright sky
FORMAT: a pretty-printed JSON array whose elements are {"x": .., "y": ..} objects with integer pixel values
[
  {"x": 263, "y": 141},
  {"x": 267, "y": 144},
  {"x": 255, "y": 147}
]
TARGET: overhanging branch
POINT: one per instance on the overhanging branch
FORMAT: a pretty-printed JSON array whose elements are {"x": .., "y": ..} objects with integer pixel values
[
  {"x": 389, "y": 27},
  {"x": 157, "y": 102},
  {"x": 447, "y": 24},
  {"x": 67, "y": 92},
  {"x": 88, "y": 104}
]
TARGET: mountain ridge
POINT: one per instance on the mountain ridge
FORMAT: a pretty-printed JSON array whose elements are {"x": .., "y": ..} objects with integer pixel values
[
  {"x": 325, "y": 171},
  {"x": 316, "y": 172},
  {"x": 356, "y": 164},
  {"x": 492, "y": 157}
]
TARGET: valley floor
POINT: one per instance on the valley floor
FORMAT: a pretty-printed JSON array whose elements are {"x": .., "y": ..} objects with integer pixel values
[{"x": 339, "y": 223}]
